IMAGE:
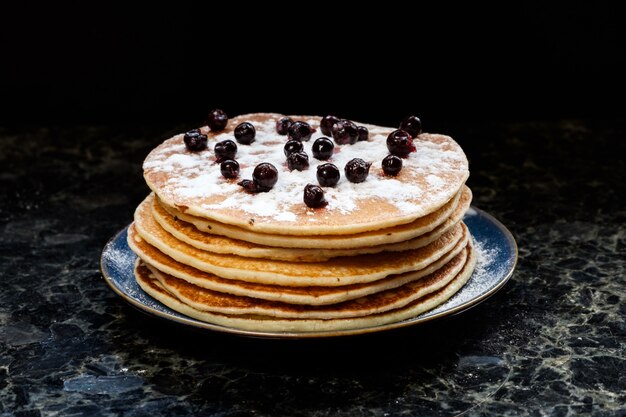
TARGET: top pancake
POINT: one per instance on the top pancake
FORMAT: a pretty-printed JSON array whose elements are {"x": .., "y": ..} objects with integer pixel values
[{"x": 192, "y": 182}]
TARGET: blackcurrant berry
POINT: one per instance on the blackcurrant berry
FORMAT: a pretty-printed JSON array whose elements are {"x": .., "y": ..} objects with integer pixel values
[
  {"x": 217, "y": 120},
  {"x": 292, "y": 146},
  {"x": 265, "y": 174},
  {"x": 229, "y": 168},
  {"x": 282, "y": 125},
  {"x": 301, "y": 131},
  {"x": 392, "y": 165},
  {"x": 400, "y": 143},
  {"x": 195, "y": 141},
  {"x": 328, "y": 175},
  {"x": 326, "y": 125},
  {"x": 322, "y": 148},
  {"x": 363, "y": 133},
  {"x": 298, "y": 161},
  {"x": 226, "y": 149},
  {"x": 357, "y": 170},
  {"x": 345, "y": 132},
  {"x": 413, "y": 125},
  {"x": 314, "y": 196},
  {"x": 245, "y": 133}
]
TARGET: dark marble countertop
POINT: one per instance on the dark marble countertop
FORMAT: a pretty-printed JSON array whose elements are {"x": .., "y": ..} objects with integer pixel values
[{"x": 551, "y": 342}]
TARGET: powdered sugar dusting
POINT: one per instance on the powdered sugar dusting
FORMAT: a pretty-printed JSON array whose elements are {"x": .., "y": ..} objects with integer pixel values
[
  {"x": 118, "y": 259},
  {"x": 471, "y": 212},
  {"x": 482, "y": 279},
  {"x": 485, "y": 263},
  {"x": 432, "y": 174},
  {"x": 435, "y": 181}
]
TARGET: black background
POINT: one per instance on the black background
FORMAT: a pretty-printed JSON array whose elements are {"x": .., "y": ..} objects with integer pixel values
[{"x": 88, "y": 64}]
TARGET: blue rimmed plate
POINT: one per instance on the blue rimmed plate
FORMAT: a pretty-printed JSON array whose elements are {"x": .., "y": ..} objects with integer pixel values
[{"x": 497, "y": 257}]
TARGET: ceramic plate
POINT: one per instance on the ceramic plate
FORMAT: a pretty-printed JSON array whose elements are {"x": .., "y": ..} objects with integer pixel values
[{"x": 497, "y": 256}]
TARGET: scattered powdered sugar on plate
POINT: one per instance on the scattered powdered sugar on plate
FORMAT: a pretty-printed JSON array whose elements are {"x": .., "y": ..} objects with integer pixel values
[
  {"x": 486, "y": 258},
  {"x": 118, "y": 257},
  {"x": 471, "y": 212},
  {"x": 486, "y": 275},
  {"x": 192, "y": 179}
]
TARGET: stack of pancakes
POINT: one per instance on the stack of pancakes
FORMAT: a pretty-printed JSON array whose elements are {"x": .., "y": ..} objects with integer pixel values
[{"x": 380, "y": 252}]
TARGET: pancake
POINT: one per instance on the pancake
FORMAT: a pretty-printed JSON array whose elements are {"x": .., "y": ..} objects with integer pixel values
[
  {"x": 219, "y": 244},
  {"x": 254, "y": 322},
  {"x": 444, "y": 218},
  {"x": 218, "y": 302},
  {"x": 334, "y": 272},
  {"x": 191, "y": 182},
  {"x": 311, "y": 295},
  {"x": 381, "y": 251}
]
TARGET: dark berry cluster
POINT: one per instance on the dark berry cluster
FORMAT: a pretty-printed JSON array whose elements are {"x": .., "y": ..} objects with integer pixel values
[
  {"x": 265, "y": 175},
  {"x": 328, "y": 175},
  {"x": 400, "y": 144},
  {"x": 343, "y": 131},
  {"x": 226, "y": 150}
]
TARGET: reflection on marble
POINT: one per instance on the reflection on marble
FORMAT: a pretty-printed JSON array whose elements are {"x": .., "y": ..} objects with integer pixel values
[{"x": 552, "y": 342}]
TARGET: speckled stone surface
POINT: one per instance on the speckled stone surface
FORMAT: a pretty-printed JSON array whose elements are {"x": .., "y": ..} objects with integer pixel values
[{"x": 552, "y": 342}]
